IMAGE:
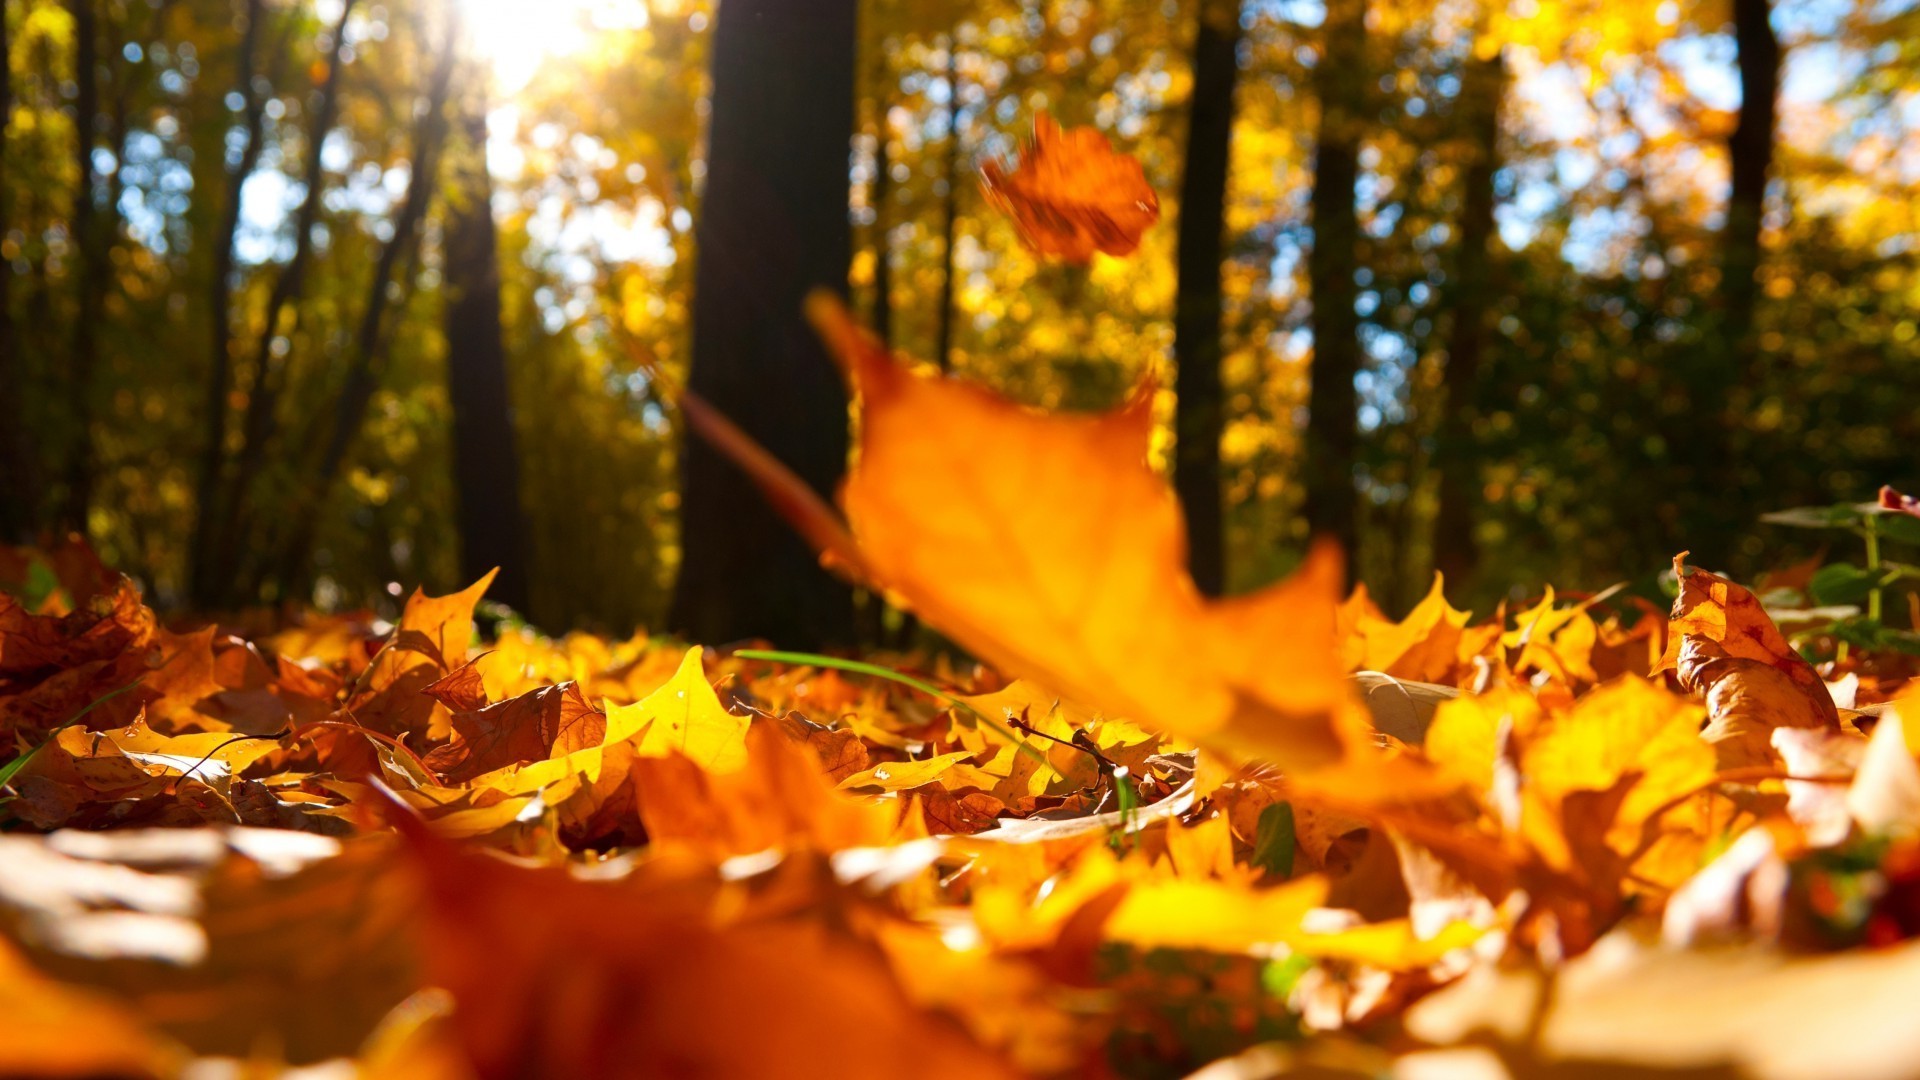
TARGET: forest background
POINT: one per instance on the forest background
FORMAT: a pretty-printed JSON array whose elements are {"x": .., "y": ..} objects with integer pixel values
[{"x": 307, "y": 299}]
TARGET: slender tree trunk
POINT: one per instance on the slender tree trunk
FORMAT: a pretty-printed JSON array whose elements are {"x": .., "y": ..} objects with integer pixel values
[
  {"x": 882, "y": 235},
  {"x": 773, "y": 227},
  {"x": 1750, "y": 150},
  {"x": 220, "y": 521},
  {"x": 486, "y": 466},
  {"x": 90, "y": 272},
  {"x": 1455, "y": 553},
  {"x": 19, "y": 479},
  {"x": 209, "y": 581},
  {"x": 371, "y": 338},
  {"x": 1200, "y": 412},
  {"x": 1705, "y": 451},
  {"x": 1332, "y": 440},
  {"x": 950, "y": 208}
]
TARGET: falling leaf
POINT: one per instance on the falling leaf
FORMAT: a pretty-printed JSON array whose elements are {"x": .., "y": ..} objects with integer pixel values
[
  {"x": 998, "y": 525},
  {"x": 1071, "y": 194}
]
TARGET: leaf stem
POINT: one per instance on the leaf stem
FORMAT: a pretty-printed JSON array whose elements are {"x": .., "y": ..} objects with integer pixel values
[{"x": 1871, "y": 531}]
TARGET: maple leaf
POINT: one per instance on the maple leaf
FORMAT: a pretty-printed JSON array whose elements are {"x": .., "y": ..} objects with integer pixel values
[
  {"x": 430, "y": 643},
  {"x": 1430, "y": 645},
  {"x": 1071, "y": 194},
  {"x": 1725, "y": 648},
  {"x": 1003, "y": 527},
  {"x": 529, "y": 728}
]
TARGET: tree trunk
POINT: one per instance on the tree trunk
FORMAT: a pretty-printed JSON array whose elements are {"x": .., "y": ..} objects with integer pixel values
[
  {"x": 1200, "y": 411},
  {"x": 1750, "y": 151},
  {"x": 89, "y": 275},
  {"x": 1455, "y": 553},
  {"x": 773, "y": 227},
  {"x": 209, "y": 581},
  {"x": 1332, "y": 440},
  {"x": 882, "y": 237},
  {"x": 950, "y": 208},
  {"x": 486, "y": 466},
  {"x": 19, "y": 480}
]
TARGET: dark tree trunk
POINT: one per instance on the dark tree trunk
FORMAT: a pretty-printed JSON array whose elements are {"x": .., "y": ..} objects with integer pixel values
[
  {"x": 870, "y": 607},
  {"x": 1200, "y": 413},
  {"x": 1750, "y": 150},
  {"x": 19, "y": 473},
  {"x": 773, "y": 227},
  {"x": 1705, "y": 449},
  {"x": 486, "y": 466},
  {"x": 1332, "y": 440},
  {"x": 1455, "y": 553},
  {"x": 882, "y": 237},
  {"x": 950, "y": 209},
  {"x": 91, "y": 272},
  {"x": 209, "y": 581}
]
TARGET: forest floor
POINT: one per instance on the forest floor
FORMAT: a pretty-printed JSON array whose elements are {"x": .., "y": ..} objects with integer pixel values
[{"x": 1282, "y": 834}]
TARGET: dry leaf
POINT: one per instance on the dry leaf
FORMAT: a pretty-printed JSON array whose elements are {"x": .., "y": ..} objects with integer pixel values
[
  {"x": 1071, "y": 194},
  {"x": 1725, "y": 648}
]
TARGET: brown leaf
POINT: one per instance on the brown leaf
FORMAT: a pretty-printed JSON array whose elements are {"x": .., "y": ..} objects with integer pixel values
[
  {"x": 1725, "y": 648},
  {"x": 464, "y": 689},
  {"x": 960, "y": 815},
  {"x": 548, "y": 722},
  {"x": 1071, "y": 194}
]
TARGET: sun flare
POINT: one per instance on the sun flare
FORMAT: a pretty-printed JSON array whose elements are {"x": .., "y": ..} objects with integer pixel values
[{"x": 517, "y": 36}]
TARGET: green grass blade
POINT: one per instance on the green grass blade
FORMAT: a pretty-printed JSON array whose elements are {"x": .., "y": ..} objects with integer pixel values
[
  {"x": 12, "y": 768},
  {"x": 862, "y": 668}
]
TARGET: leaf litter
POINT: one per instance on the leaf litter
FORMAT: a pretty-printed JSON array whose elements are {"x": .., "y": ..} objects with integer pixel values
[{"x": 1150, "y": 834}]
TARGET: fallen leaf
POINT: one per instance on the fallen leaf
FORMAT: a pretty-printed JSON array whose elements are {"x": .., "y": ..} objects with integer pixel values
[{"x": 1724, "y": 647}]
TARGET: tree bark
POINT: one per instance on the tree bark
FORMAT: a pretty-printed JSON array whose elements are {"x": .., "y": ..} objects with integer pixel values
[
  {"x": 19, "y": 472},
  {"x": 1455, "y": 553},
  {"x": 208, "y": 579},
  {"x": 773, "y": 227},
  {"x": 486, "y": 465},
  {"x": 89, "y": 273},
  {"x": 1332, "y": 440},
  {"x": 1200, "y": 411}
]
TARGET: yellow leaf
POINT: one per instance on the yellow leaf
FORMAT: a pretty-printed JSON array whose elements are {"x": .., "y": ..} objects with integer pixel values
[
  {"x": 685, "y": 715},
  {"x": 1183, "y": 913},
  {"x": 901, "y": 775}
]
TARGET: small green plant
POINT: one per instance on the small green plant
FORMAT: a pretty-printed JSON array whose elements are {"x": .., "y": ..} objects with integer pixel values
[{"x": 1851, "y": 585}]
